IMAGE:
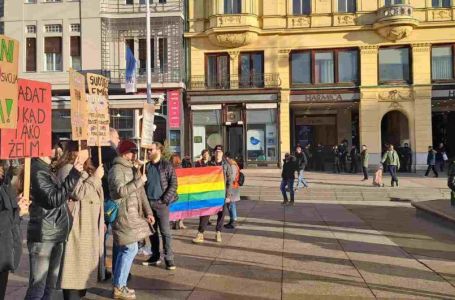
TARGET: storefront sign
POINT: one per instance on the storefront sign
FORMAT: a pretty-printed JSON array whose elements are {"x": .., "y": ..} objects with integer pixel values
[
  {"x": 173, "y": 98},
  {"x": 444, "y": 94},
  {"x": 9, "y": 59},
  {"x": 79, "y": 112},
  {"x": 148, "y": 126},
  {"x": 325, "y": 97},
  {"x": 32, "y": 137},
  {"x": 98, "y": 121},
  {"x": 316, "y": 120}
]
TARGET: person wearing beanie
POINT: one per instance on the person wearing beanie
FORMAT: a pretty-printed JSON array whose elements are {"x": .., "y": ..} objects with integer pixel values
[{"x": 134, "y": 216}]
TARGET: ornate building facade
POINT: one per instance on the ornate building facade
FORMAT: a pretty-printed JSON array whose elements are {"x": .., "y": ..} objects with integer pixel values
[{"x": 266, "y": 75}]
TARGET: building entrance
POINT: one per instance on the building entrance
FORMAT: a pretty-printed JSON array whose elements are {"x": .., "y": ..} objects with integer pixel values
[
  {"x": 444, "y": 130},
  {"x": 235, "y": 142},
  {"x": 395, "y": 129}
]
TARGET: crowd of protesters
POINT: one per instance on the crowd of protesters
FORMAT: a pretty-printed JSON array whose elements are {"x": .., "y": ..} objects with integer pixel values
[{"x": 76, "y": 201}]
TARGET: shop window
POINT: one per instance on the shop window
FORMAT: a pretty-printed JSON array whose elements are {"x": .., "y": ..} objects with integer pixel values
[
  {"x": 232, "y": 6},
  {"x": 394, "y": 65},
  {"x": 262, "y": 136},
  {"x": 206, "y": 131},
  {"x": 251, "y": 70},
  {"x": 31, "y": 55},
  {"x": 301, "y": 7},
  {"x": 440, "y": 3},
  {"x": 347, "y": 6},
  {"x": 53, "y": 53},
  {"x": 217, "y": 71},
  {"x": 174, "y": 141},
  {"x": 442, "y": 62},
  {"x": 327, "y": 67}
]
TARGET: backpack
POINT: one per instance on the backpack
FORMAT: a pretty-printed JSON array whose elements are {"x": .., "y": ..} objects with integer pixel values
[{"x": 241, "y": 178}]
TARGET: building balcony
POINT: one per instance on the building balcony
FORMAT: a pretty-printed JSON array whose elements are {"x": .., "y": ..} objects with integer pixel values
[
  {"x": 160, "y": 76},
  {"x": 120, "y": 7},
  {"x": 395, "y": 22},
  {"x": 235, "y": 82}
]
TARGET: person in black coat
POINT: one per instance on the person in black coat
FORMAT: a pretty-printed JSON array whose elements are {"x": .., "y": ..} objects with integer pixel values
[
  {"x": 302, "y": 161},
  {"x": 11, "y": 209},
  {"x": 288, "y": 177},
  {"x": 354, "y": 162},
  {"x": 451, "y": 182}
]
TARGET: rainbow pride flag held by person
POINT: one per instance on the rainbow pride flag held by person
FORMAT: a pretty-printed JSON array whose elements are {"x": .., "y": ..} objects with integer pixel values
[{"x": 201, "y": 193}]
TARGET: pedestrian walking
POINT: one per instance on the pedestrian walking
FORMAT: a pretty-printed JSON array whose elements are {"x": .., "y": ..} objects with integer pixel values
[
  {"x": 287, "y": 178},
  {"x": 12, "y": 207},
  {"x": 204, "y": 160},
  {"x": 392, "y": 160},
  {"x": 377, "y": 180},
  {"x": 336, "y": 159},
  {"x": 354, "y": 157},
  {"x": 309, "y": 156},
  {"x": 364, "y": 160},
  {"x": 441, "y": 157},
  {"x": 302, "y": 162},
  {"x": 219, "y": 160},
  {"x": 161, "y": 193},
  {"x": 49, "y": 225},
  {"x": 134, "y": 215},
  {"x": 84, "y": 251},
  {"x": 431, "y": 162},
  {"x": 235, "y": 197}
]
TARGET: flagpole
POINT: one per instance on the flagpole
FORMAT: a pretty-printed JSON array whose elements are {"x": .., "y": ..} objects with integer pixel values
[{"x": 149, "y": 56}]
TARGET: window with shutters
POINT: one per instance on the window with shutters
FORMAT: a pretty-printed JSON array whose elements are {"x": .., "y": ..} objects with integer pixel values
[
  {"x": 30, "y": 55},
  {"x": 53, "y": 54},
  {"x": 76, "y": 62},
  {"x": 143, "y": 54}
]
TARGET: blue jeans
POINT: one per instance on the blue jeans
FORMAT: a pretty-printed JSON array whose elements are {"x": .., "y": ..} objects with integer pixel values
[
  {"x": 290, "y": 184},
  {"x": 125, "y": 258},
  {"x": 232, "y": 212},
  {"x": 301, "y": 182},
  {"x": 393, "y": 173}
]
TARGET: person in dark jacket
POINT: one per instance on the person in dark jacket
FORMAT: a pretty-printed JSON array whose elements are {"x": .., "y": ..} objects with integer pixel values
[
  {"x": 11, "y": 209},
  {"x": 161, "y": 189},
  {"x": 354, "y": 162},
  {"x": 218, "y": 160},
  {"x": 441, "y": 157},
  {"x": 308, "y": 154},
  {"x": 301, "y": 161},
  {"x": 288, "y": 177},
  {"x": 406, "y": 157},
  {"x": 49, "y": 225},
  {"x": 431, "y": 162},
  {"x": 336, "y": 160},
  {"x": 343, "y": 150},
  {"x": 204, "y": 160},
  {"x": 451, "y": 182}
]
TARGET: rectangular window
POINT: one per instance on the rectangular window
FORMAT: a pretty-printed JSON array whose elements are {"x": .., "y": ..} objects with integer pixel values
[
  {"x": 347, "y": 6},
  {"x": 31, "y": 29},
  {"x": 53, "y": 54},
  {"x": 207, "y": 130},
  {"x": 53, "y": 28},
  {"x": 324, "y": 67},
  {"x": 442, "y": 62},
  {"x": 440, "y": 3},
  {"x": 251, "y": 70},
  {"x": 51, "y": 1},
  {"x": 30, "y": 1},
  {"x": 143, "y": 54},
  {"x": 163, "y": 54},
  {"x": 394, "y": 65},
  {"x": 217, "y": 71},
  {"x": 262, "y": 135},
  {"x": 129, "y": 43},
  {"x": 393, "y": 2},
  {"x": 232, "y": 6},
  {"x": 301, "y": 7},
  {"x": 348, "y": 66},
  {"x": 123, "y": 121},
  {"x": 144, "y": 2},
  {"x": 75, "y": 27},
  {"x": 129, "y": 2},
  {"x": 76, "y": 52},
  {"x": 339, "y": 66},
  {"x": 30, "y": 55}
]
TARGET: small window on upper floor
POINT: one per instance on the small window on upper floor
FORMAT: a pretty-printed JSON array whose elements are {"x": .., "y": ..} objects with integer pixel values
[
  {"x": 31, "y": 29},
  {"x": 440, "y": 3},
  {"x": 232, "y": 6},
  {"x": 129, "y": 2},
  {"x": 347, "y": 6},
  {"x": 301, "y": 7},
  {"x": 30, "y": 1},
  {"x": 53, "y": 28},
  {"x": 393, "y": 2}
]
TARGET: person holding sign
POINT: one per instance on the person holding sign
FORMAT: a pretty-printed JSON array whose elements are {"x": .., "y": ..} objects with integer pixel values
[
  {"x": 84, "y": 250},
  {"x": 49, "y": 225}
]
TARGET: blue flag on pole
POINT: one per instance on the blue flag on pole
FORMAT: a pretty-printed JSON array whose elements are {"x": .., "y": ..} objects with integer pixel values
[{"x": 130, "y": 72}]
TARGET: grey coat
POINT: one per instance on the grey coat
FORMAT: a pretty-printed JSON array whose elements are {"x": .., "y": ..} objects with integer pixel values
[{"x": 127, "y": 188}]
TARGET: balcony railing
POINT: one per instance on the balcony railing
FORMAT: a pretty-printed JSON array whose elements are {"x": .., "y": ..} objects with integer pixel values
[
  {"x": 119, "y": 7},
  {"x": 255, "y": 81},
  {"x": 396, "y": 11},
  {"x": 117, "y": 76}
]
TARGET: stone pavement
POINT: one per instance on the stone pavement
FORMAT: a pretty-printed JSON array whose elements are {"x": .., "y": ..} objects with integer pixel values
[{"x": 324, "y": 247}]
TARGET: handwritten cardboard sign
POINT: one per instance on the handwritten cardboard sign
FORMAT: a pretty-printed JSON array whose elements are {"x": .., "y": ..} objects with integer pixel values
[
  {"x": 9, "y": 59},
  {"x": 33, "y": 135},
  {"x": 148, "y": 126},
  {"x": 98, "y": 85},
  {"x": 79, "y": 112},
  {"x": 98, "y": 121}
]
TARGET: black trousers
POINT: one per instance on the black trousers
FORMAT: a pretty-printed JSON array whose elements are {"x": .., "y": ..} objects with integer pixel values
[
  {"x": 365, "y": 173},
  {"x": 204, "y": 220},
  {"x": 161, "y": 215},
  {"x": 3, "y": 283},
  {"x": 74, "y": 294},
  {"x": 433, "y": 168}
]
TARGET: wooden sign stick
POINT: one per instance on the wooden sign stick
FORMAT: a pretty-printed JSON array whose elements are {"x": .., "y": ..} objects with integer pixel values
[
  {"x": 145, "y": 160},
  {"x": 27, "y": 171}
]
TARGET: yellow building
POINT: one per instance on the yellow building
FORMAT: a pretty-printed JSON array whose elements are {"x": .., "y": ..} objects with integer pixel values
[{"x": 266, "y": 75}]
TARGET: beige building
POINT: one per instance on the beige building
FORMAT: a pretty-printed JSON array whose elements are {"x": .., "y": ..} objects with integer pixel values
[
  {"x": 93, "y": 36},
  {"x": 268, "y": 75}
]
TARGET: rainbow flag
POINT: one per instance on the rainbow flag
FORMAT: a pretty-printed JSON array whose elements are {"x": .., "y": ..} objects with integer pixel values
[{"x": 201, "y": 193}]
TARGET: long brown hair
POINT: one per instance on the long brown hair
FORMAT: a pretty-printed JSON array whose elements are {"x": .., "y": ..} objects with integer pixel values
[{"x": 69, "y": 157}]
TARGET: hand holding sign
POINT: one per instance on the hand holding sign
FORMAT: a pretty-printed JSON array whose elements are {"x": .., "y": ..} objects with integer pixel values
[{"x": 80, "y": 160}]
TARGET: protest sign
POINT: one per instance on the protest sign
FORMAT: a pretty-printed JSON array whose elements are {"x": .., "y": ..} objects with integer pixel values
[
  {"x": 33, "y": 135},
  {"x": 98, "y": 85},
  {"x": 148, "y": 126},
  {"x": 98, "y": 121},
  {"x": 9, "y": 59},
  {"x": 79, "y": 113}
]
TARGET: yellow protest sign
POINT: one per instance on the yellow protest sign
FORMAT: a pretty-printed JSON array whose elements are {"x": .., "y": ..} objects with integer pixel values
[
  {"x": 79, "y": 110},
  {"x": 98, "y": 85},
  {"x": 9, "y": 59},
  {"x": 98, "y": 121}
]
